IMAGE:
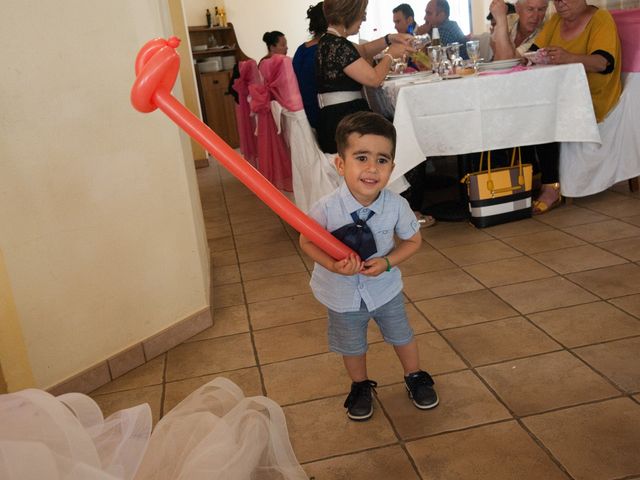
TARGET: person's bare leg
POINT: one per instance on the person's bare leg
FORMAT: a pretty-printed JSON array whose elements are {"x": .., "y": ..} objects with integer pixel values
[
  {"x": 409, "y": 357},
  {"x": 356, "y": 366}
]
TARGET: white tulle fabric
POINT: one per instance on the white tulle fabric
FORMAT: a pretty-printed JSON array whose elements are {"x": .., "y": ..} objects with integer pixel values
[
  {"x": 589, "y": 168},
  {"x": 215, "y": 433}
]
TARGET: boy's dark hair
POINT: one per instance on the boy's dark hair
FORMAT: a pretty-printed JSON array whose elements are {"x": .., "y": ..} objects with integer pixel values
[
  {"x": 272, "y": 38},
  {"x": 364, "y": 123},
  {"x": 317, "y": 22},
  {"x": 406, "y": 10}
]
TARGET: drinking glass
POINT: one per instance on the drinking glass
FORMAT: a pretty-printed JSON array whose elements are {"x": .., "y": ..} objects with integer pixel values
[
  {"x": 473, "y": 50},
  {"x": 420, "y": 41},
  {"x": 435, "y": 54}
]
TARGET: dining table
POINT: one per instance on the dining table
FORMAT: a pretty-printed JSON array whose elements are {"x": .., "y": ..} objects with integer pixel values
[{"x": 495, "y": 109}]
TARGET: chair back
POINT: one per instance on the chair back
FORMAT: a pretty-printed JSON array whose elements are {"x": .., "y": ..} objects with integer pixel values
[
  {"x": 274, "y": 160},
  {"x": 628, "y": 24},
  {"x": 249, "y": 74},
  {"x": 313, "y": 173}
]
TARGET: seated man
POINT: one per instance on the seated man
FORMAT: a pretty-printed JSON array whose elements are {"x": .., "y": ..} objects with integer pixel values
[
  {"x": 513, "y": 34},
  {"x": 437, "y": 16},
  {"x": 403, "y": 19}
]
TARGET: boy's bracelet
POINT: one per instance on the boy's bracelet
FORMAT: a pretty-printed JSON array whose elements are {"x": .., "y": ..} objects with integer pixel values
[{"x": 388, "y": 264}]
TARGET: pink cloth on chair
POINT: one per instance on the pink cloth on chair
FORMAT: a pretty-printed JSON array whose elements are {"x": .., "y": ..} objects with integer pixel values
[
  {"x": 628, "y": 23},
  {"x": 278, "y": 74},
  {"x": 246, "y": 125},
  {"x": 274, "y": 159}
]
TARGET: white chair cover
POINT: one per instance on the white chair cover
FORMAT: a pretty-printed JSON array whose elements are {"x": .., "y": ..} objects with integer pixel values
[
  {"x": 314, "y": 173},
  {"x": 215, "y": 433},
  {"x": 589, "y": 168}
]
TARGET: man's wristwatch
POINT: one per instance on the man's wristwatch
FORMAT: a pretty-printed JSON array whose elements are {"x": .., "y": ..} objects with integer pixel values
[{"x": 386, "y": 40}]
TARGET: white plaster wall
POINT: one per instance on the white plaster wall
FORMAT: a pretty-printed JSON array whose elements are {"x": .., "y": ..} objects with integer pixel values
[{"x": 100, "y": 221}]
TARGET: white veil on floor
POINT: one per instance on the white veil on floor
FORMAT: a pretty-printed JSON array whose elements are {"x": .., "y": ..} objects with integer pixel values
[{"x": 215, "y": 433}]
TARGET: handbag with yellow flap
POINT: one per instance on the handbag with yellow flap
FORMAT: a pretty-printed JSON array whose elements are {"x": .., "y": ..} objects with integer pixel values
[{"x": 501, "y": 195}]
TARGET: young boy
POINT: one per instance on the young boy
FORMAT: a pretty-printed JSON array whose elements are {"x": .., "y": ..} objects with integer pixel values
[{"x": 365, "y": 217}]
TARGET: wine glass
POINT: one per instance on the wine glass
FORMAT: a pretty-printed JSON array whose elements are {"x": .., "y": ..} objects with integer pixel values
[
  {"x": 473, "y": 50},
  {"x": 420, "y": 41}
]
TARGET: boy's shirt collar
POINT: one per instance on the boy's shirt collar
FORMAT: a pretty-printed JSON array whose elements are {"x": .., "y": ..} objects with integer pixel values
[{"x": 352, "y": 205}]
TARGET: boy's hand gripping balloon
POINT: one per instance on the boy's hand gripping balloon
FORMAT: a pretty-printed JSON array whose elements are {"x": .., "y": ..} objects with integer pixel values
[{"x": 157, "y": 66}]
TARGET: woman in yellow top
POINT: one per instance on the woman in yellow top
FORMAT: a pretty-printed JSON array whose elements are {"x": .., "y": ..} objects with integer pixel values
[{"x": 581, "y": 33}]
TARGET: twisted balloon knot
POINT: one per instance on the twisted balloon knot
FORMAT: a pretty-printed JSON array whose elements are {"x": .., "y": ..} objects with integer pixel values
[{"x": 157, "y": 66}]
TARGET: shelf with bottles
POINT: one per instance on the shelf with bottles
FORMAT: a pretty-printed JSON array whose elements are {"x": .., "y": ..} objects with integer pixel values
[
  {"x": 204, "y": 28},
  {"x": 198, "y": 54}
]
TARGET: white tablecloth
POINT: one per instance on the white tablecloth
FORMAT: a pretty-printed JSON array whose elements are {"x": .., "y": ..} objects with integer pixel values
[{"x": 479, "y": 113}]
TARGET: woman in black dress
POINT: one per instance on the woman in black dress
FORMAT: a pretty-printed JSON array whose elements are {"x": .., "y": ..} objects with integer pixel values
[{"x": 342, "y": 68}]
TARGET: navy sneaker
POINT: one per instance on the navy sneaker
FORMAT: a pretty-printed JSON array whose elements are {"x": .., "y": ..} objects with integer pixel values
[
  {"x": 420, "y": 388},
  {"x": 359, "y": 403}
]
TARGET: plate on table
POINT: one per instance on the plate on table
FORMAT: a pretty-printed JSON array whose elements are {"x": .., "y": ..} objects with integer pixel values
[
  {"x": 451, "y": 77},
  {"x": 498, "y": 65}
]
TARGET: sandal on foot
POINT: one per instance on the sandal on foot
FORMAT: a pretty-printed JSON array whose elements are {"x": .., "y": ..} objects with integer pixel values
[
  {"x": 425, "y": 221},
  {"x": 540, "y": 207}
]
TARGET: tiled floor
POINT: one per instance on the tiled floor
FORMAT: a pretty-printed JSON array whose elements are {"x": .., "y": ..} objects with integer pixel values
[{"x": 531, "y": 330}]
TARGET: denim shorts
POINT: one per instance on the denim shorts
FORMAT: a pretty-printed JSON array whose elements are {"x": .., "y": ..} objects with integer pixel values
[{"x": 348, "y": 330}]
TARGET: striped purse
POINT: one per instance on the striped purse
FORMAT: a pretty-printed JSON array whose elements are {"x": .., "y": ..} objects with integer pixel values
[{"x": 501, "y": 195}]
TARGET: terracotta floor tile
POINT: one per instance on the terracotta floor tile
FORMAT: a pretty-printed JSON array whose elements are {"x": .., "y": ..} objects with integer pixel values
[
  {"x": 442, "y": 236},
  {"x": 464, "y": 402},
  {"x": 425, "y": 261},
  {"x": 480, "y": 252},
  {"x": 464, "y": 309},
  {"x": 610, "y": 282},
  {"x": 569, "y": 216},
  {"x": 512, "y": 229},
  {"x": 227, "y": 295},
  {"x": 248, "y": 379},
  {"x": 577, "y": 259},
  {"x": 225, "y": 275},
  {"x": 226, "y": 257},
  {"x": 291, "y": 341},
  {"x": 628, "y": 248},
  {"x": 380, "y": 464},
  {"x": 630, "y": 304},
  {"x": 321, "y": 429},
  {"x": 499, "y": 340},
  {"x": 258, "y": 217},
  {"x": 113, "y": 402},
  {"x": 266, "y": 251},
  {"x": 604, "y": 231},
  {"x": 595, "y": 441},
  {"x": 226, "y": 321},
  {"x": 195, "y": 359},
  {"x": 509, "y": 271},
  {"x": 617, "y": 360},
  {"x": 277, "y": 287},
  {"x": 151, "y": 373},
  {"x": 283, "y": 311},
  {"x": 615, "y": 205},
  {"x": 634, "y": 220},
  {"x": 272, "y": 267},
  {"x": 543, "y": 242},
  {"x": 221, "y": 244},
  {"x": 586, "y": 324},
  {"x": 503, "y": 451},
  {"x": 307, "y": 378},
  {"x": 272, "y": 235},
  {"x": 544, "y": 294},
  {"x": 546, "y": 382},
  {"x": 219, "y": 230},
  {"x": 438, "y": 284},
  {"x": 256, "y": 225}
]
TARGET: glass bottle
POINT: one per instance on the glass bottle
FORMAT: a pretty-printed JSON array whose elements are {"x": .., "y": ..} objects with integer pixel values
[
  {"x": 216, "y": 18},
  {"x": 208, "y": 18},
  {"x": 435, "y": 37}
]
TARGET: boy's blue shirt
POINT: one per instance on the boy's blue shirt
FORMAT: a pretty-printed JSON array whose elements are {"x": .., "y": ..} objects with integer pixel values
[{"x": 392, "y": 215}]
